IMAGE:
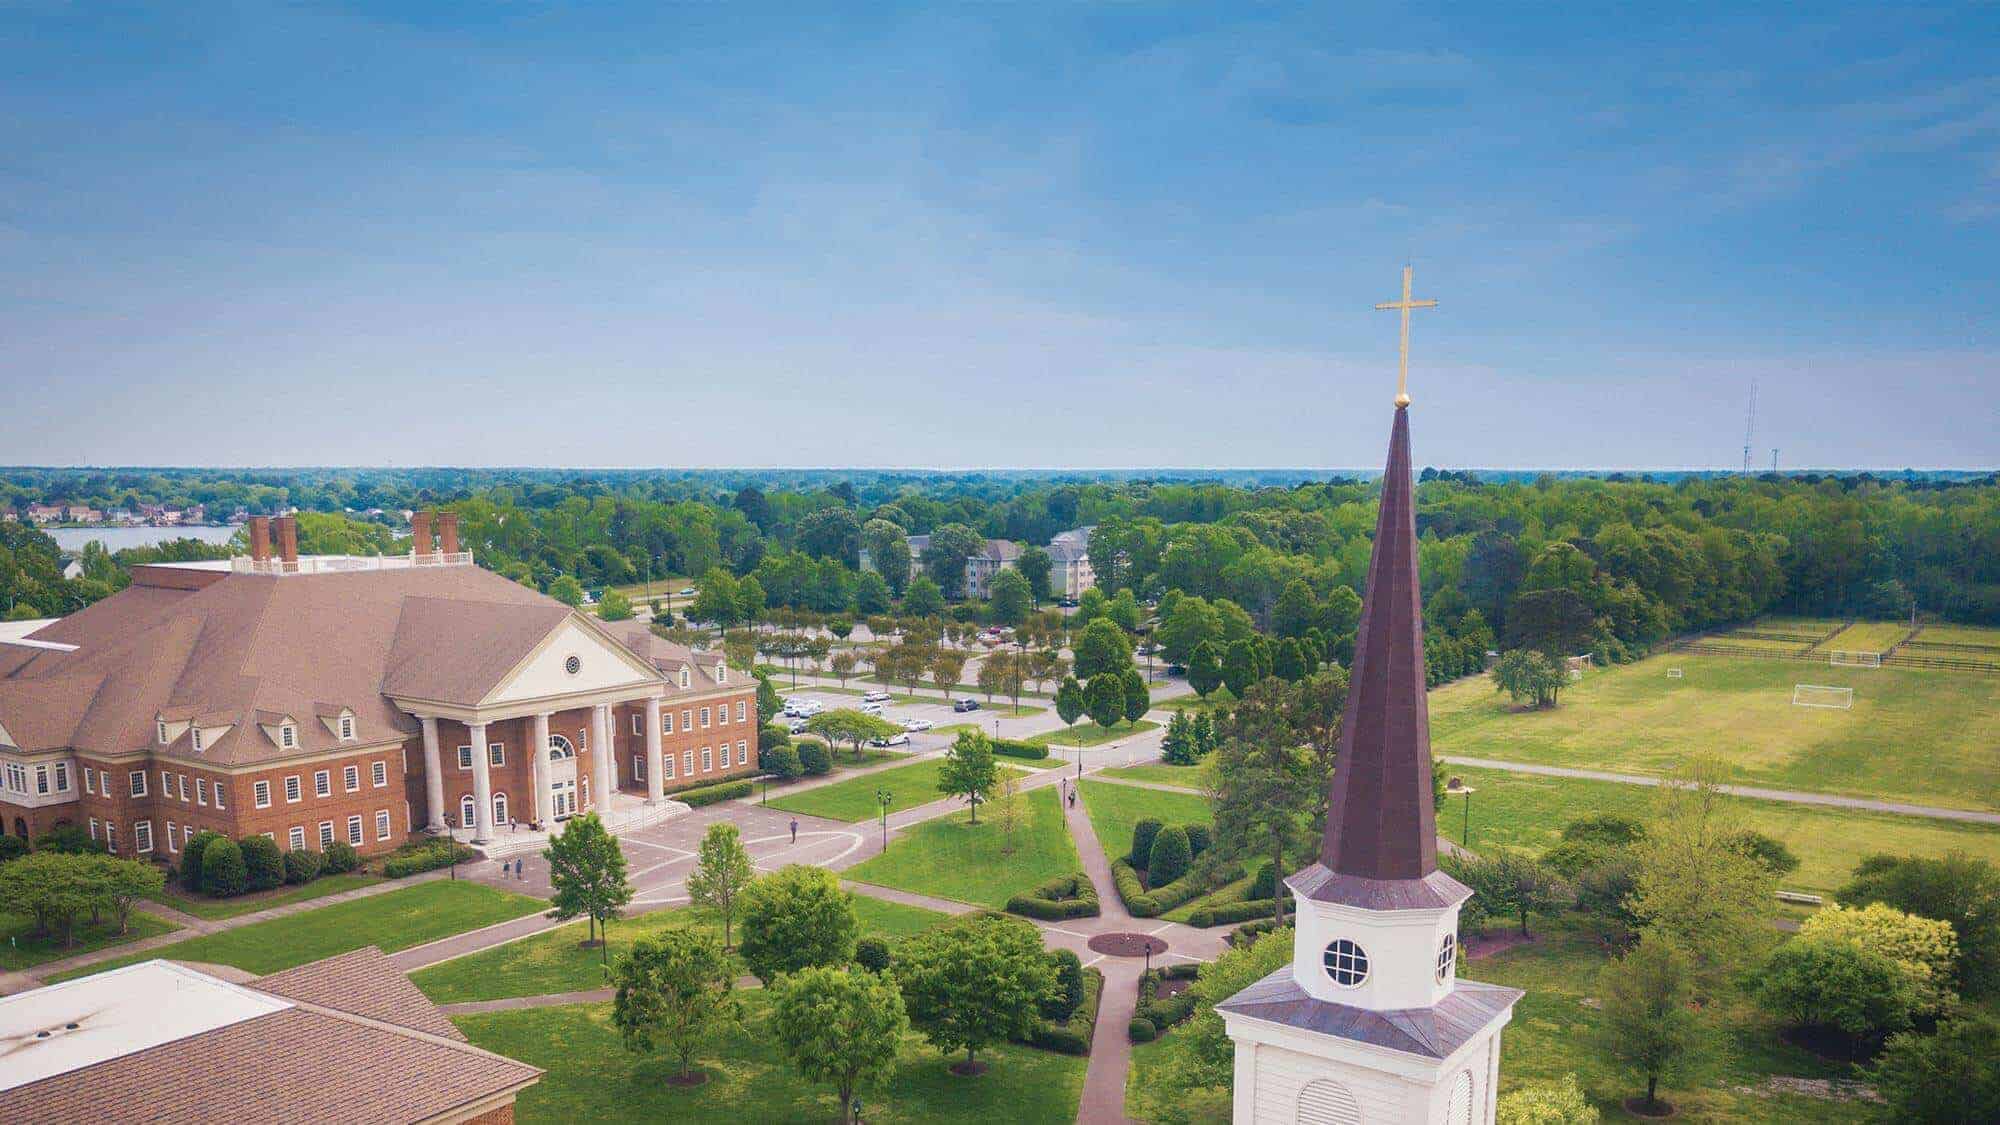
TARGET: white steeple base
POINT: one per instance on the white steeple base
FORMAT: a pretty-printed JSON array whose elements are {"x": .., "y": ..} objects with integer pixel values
[{"x": 1288, "y": 1075}]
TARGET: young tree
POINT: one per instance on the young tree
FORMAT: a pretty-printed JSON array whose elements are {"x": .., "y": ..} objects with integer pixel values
[
  {"x": 716, "y": 602},
  {"x": 842, "y": 666},
  {"x": 1204, "y": 670},
  {"x": 750, "y": 598},
  {"x": 1526, "y": 674},
  {"x": 923, "y": 598},
  {"x": 968, "y": 770},
  {"x": 1239, "y": 666},
  {"x": 947, "y": 665},
  {"x": 614, "y": 606},
  {"x": 1168, "y": 858},
  {"x": 587, "y": 873},
  {"x": 1007, "y": 810},
  {"x": 1510, "y": 882},
  {"x": 675, "y": 989},
  {"x": 1010, "y": 596},
  {"x": 1261, "y": 787},
  {"x": 567, "y": 590},
  {"x": 1103, "y": 647},
  {"x": 50, "y": 887},
  {"x": 1648, "y": 1020},
  {"x": 1138, "y": 700},
  {"x": 1710, "y": 898},
  {"x": 1106, "y": 699},
  {"x": 795, "y": 918},
  {"x": 872, "y": 593},
  {"x": 1177, "y": 746},
  {"x": 845, "y": 724},
  {"x": 721, "y": 873},
  {"x": 1034, "y": 565},
  {"x": 974, "y": 980},
  {"x": 839, "y": 1025},
  {"x": 1071, "y": 702}
]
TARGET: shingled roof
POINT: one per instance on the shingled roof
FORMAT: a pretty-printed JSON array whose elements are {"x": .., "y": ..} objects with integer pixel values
[
  {"x": 1434, "y": 1032},
  {"x": 1380, "y": 844}
]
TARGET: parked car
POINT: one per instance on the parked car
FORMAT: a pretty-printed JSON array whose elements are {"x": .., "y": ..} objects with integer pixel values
[
  {"x": 873, "y": 708},
  {"x": 965, "y": 705},
  {"x": 892, "y": 740},
  {"x": 1067, "y": 603},
  {"x": 875, "y": 697},
  {"x": 917, "y": 724},
  {"x": 796, "y": 726},
  {"x": 1176, "y": 670},
  {"x": 687, "y": 593}
]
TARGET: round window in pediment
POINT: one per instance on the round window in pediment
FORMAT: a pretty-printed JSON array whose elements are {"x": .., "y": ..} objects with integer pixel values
[{"x": 573, "y": 665}]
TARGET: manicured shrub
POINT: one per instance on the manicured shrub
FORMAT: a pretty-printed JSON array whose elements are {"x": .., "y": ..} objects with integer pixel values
[
  {"x": 1009, "y": 748},
  {"x": 1165, "y": 1012},
  {"x": 263, "y": 863},
  {"x": 222, "y": 870},
  {"x": 813, "y": 757},
  {"x": 1072, "y": 1036},
  {"x": 872, "y": 953},
  {"x": 1199, "y": 838},
  {"x": 191, "y": 853},
  {"x": 710, "y": 794},
  {"x": 1169, "y": 857},
  {"x": 1141, "y": 1030},
  {"x": 1265, "y": 885},
  {"x": 1248, "y": 933},
  {"x": 1924, "y": 948},
  {"x": 426, "y": 855},
  {"x": 1065, "y": 896},
  {"x": 1547, "y": 1103},
  {"x": 1184, "y": 889},
  {"x": 339, "y": 858},
  {"x": 769, "y": 736},
  {"x": 1837, "y": 986},
  {"x": 1069, "y": 986},
  {"x": 1132, "y": 891},
  {"x": 301, "y": 866},
  {"x": 1223, "y": 913},
  {"x": 1142, "y": 841},
  {"x": 782, "y": 762}
]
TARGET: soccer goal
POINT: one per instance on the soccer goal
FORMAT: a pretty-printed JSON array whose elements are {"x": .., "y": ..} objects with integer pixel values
[
  {"x": 1675, "y": 674},
  {"x": 1845, "y": 658},
  {"x": 1823, "y": 696}
]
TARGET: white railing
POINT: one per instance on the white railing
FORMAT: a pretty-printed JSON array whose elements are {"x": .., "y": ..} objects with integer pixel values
[{"x": 343, "y": 564}]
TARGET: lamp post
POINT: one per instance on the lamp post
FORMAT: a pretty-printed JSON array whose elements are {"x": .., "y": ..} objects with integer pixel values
[
  {"x": 883, "y": 798},
  {"x": 1458, "y": 786}
]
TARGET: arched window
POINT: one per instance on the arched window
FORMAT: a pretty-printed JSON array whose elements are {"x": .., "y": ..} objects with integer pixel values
[
  {"x": 1327, "y": 1103},
  {"x": 466, "y": 808},
  {"x": 1458, "y": 1108},
  {"x": 1346, "y": 963},
  {"x": 499, "y": 808},
  {"x": 21, "y": 827},
  {"x": 559, "y": 748}
]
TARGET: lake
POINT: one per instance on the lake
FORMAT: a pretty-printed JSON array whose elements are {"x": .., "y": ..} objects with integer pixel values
[{"x": 116, "y": 539}]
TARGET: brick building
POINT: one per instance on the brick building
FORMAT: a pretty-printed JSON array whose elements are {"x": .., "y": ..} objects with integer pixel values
[{"x": 331, "y": 698}]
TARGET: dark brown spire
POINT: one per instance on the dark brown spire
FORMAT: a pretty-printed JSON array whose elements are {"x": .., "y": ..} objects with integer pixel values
[{"x": 1379, "y": 822}]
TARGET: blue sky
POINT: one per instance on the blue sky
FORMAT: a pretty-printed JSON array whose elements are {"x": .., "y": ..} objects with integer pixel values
[{"x": 1111, "y": 235}]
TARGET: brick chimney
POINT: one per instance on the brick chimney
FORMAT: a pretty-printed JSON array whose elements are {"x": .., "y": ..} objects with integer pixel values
[
  {"x": 288, "y": 540},
  {"x": 420, "y": 534},
  {"x": 448, "y": 532},
  {"x": 260, "y": 538}
]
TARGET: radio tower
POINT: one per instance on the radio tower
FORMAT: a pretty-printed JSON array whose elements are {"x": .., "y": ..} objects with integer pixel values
[
  {"x": 1750, "y": 427},
  {"x": 1774, "y": 459}
]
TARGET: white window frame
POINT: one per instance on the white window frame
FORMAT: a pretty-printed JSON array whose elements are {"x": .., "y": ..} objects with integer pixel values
[
  {"x": 687, "y": 718},
  {"x": 325, "y": 834},
  {"x": 687, "y": 761},
  {"x": 722, "y": 715},
  {"x": 142, "y": 836},
  {"x": 136, "y": 782},
  {"x": 288, "y": 736},
  {"x": 496, "y": 755},
  {"x": 322, "y": 783},
  {"x": 740, "y": 712},
  {"x": 742, "y": 752},
  {"x": 347, "y": 728},
  {"x": 499, "y": 809},
  {"x": 467, "y": 809},
  {"x": 166, "y": 785},
  {"x": 111, "y": 837},
  {"x": 296, "y": 838},
  {"x": 194, "y": 738},
  {"x": 89, "y": 780},
  {"x": 160, "y": 732},
  {"x": 381, "y": 825},
  {"x": 93, "y": 828},
  {"x": 356, "y": 835},
  {"x": 666, "y": 767},
  {"x": 378, "y": 773},
  {"x": 707, "y": 759},
  {"x": 219, "y": 802},
  {"x": 294, "y": 792},
  {"x": 666, "y": 721},
  {"x": 41, "y": 780},
  {"x": 201, "y": 791},
  {"x": 638, "y": 722},
  {"x": 260, "y": 793},
  {"x": 181, "y": 783},
  {"x": 465, "y": 757},
  {"x": 638, "y": 767},
  {"x": 172, "y": 844},
  {"x": 704, "y": 718},
  {"x": 62, "y": 777},
  {"x": 350, "y": 776}
]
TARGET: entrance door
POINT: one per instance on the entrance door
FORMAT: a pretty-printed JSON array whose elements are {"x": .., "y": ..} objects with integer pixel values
[{"x": 563, "y": 798}]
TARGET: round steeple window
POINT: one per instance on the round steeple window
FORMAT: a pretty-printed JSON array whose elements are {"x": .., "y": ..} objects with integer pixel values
[
  {"x": 1346, "y": 963},
  {"x": 573, "y": 665}
]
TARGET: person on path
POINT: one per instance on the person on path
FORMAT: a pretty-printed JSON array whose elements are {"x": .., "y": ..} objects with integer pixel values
[{"x": 795, "y": 830}]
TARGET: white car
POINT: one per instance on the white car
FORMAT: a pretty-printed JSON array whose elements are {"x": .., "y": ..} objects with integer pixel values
[
  {"x": 917, "y": 724},
  {"x": 892, "y": 740},
  {"x": 796, "y": 726},
  {"x": 873, "y": 708},
  {"x": 875, "y": 697}
]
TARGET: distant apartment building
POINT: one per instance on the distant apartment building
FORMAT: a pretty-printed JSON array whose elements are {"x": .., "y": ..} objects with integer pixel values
[
  {"x": 1069, "y": 552},
  {"x": 998, "y": 555}
]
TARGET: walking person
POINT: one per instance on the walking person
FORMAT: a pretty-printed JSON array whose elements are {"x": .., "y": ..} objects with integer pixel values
[{"x": 795, "y": 830}]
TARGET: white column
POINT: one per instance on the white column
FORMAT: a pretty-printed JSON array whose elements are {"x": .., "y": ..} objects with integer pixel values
[
  {"x": 1244, "y": 1102},
  {"x": 482, "y": 785},
  {"x": 600, "y": 733},
  {"x": 654, "y": 781},
  {"x": 433, "y": 776},
  {"x": 538, "y": 745}
]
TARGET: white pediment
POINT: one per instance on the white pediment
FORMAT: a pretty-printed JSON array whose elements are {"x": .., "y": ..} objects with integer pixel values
[{"x": 574, "y": 658}]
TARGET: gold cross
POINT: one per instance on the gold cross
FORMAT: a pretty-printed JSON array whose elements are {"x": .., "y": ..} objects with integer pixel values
[{"x": 1403, "y": 359}]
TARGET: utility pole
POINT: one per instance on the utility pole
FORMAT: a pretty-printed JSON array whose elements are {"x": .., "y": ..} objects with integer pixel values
[
  {"x": 1774, "y": 460},
  {"x": 1750, "y": 427}
]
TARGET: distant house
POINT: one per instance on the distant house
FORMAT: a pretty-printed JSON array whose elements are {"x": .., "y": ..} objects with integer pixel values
[
  {"x": 1069, "y": 551},
  {"x": 45, "y": 513},
  {"x": 998, "y": 555},
  {"x": 72, "y": 567}
]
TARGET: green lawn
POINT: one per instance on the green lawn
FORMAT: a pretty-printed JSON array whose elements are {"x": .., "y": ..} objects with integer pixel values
[
  {"x": 1091, "y": 734},
  {"x": 392, "y": 920},
  {"x": 854, "y": 799},
  {"x": 1960, "y": 634},
  {"x": 1114, "y": 809},
  {"x": 1912, "y": 734},
  {"x": 1868, "y": 636},
  {"x": 592, "y": 1077},
  {"x": 556, "y": 962},
  {"x": 952, "y": 858},
  {"x": 1527, "y": 811},
  {"x": 1218, "y": 700},
  {"x": 215, "y": 909},
  {"x": 20, "y": 948},
  {"x": 1187, "y": 777}
]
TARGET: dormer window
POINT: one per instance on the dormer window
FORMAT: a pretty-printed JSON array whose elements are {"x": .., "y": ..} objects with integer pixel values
[
  {"x": 684, "y": 677},
  {"x": 288, "y": 736},
  {"x": 721, "y": 671},
  {"x": 346, "y": 727},
  {"x": 160, "y": 732},
  {"x": 195, "y": 734}
]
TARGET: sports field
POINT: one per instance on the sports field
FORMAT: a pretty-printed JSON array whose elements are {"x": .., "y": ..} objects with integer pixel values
[
  {"x": 1868, "y": 636},
  {"x": 1920, "y": 735}
]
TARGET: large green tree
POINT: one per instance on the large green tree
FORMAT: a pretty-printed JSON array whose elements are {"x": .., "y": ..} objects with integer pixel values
[
  {"x": 945, "y": 557},
  {"x": 1102, "y": 647},
  {"x": 1261, "y": 786},
  {"x": 975, "y": 980},
  {"x": 795, "y": 918},
  {"x": 1011, "y": 597},
  {"x": 675, "y": 990},
  {"x": 1648, "y": 1019},
  {"x": 840, "y": 1025}
]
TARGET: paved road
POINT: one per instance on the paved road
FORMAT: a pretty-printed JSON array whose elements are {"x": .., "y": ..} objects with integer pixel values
[{"x": 1790, "y": 795}]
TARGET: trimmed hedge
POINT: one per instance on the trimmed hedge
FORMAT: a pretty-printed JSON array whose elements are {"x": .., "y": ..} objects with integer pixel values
[
  {"x": 710, "y": 794},
  {"x": 1072, "y": 1036},
  {"x": 1169, "y": 857},
  {"x": 263, "y": 863},
  {"x": 339, "y": 858},
  {"x": 1265, "y": 885},
  {"x": 1065, "y": 896},
  {"x": 222, "y": 872},
  {"x": 1249, "y": 932},
  {"x": 190, "y": 871},
  {"x": 1142, "y": 841},
  {"x": 1141, "y": 1030},
  {"x": 1068, "y": 996},
  {"x": 301, "y": 866},
  {"x": 1141, "y": 904},
  {"x": 814, "y": 757},
  {"x": 1223, "y": 913},
  {"x": 1164, "y": 1013},
  {"x": 1010, "y": 748},
  {"x": 428, "y": 856},
  {"x": 1199, "y": 838}
]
